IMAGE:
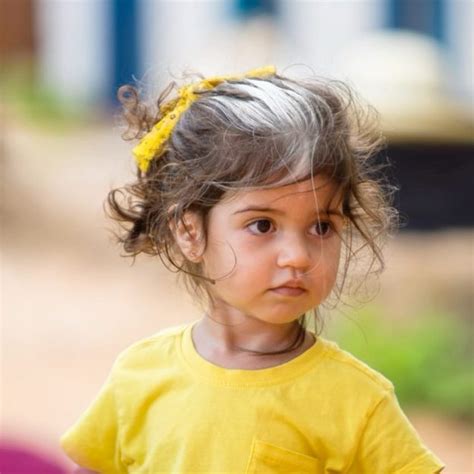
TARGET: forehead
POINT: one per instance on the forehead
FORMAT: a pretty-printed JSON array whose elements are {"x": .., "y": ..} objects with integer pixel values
[{"x": 318, "y": 192}]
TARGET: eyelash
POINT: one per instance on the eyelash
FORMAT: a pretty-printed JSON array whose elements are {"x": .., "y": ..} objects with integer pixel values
[{"x": 330, "y": 229}]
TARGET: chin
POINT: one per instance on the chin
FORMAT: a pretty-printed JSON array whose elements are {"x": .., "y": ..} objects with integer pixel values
[{"x": 279, "y": 319}]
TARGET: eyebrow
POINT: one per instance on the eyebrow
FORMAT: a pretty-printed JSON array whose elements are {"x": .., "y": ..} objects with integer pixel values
[{"x": 278, "y": 211}]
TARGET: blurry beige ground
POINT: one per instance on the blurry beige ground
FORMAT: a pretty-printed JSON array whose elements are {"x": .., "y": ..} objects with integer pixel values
[{"x": 70, "y": 303}]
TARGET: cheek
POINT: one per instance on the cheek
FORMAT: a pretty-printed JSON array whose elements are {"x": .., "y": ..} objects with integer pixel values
[
  {"x": 239, "y": 268},
  {"x": 222, "y": 257},
  {"x": 336, "y": 257},
  {"x": 326, "y": 263},
  {"x": 331, "y": 268}
]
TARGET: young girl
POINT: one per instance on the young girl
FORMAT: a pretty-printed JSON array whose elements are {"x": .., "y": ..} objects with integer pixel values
[{"x": 261, "y": 191}]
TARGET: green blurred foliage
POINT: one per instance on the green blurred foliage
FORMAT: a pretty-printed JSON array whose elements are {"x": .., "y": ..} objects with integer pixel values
[
  {"x": 429, "y": 360},
  {"x": 35, "y": 103}
]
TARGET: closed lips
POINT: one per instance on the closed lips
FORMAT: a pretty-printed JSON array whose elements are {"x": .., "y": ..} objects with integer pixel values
[
  {"x": 288, "y": 290},
  {"x": 292, "y": 284}
]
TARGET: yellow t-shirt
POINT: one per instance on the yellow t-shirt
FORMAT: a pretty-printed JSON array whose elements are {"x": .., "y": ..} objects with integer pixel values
[{"x": 166, "y": 409}]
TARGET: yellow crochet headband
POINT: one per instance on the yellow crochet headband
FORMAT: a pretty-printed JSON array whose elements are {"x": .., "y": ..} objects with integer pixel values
[{"x": 152, "y": 144}]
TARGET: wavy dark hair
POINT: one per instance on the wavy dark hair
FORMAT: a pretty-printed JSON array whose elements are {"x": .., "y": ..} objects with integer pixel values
[{"x": 257, "y": 133}]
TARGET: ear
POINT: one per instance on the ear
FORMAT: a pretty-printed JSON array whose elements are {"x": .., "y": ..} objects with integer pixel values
[{"x": 189, "y": 235}]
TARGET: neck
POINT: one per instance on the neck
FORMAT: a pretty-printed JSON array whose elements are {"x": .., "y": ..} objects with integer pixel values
[{"x": 229, "y": 334}]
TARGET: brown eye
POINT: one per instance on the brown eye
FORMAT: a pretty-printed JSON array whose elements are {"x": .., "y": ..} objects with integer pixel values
[
  {"x": 322, "y": 228},
  {"x": 262, "y": 226}
]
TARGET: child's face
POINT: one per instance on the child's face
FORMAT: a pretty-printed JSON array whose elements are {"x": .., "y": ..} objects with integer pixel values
[{"x": 296, "y": 240}]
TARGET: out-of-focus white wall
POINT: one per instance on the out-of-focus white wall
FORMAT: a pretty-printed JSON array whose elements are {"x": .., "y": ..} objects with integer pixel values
[
  {"x": 76, "y": 50},
  {"x": 460, "y": 38},
  {"x": 205, "y": 37},
  {"x": 73, "y": 47},
  {"x": 202, "y": 37},
  {"x": 176, "y": 36},
  {"x": 313, "y": 33}
]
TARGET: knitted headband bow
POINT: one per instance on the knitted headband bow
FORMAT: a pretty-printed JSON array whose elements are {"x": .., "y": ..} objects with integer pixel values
[{"x": 152, "y": 144}]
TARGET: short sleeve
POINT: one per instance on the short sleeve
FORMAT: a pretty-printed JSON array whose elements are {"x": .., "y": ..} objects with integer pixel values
[
  {"x": 390, "y": 443},
  {"x": 93, "y": 442}
]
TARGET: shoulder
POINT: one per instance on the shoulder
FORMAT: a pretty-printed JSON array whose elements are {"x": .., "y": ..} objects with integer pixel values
[
  {"x": 151, "y": 350},
  {"x": 353, "y": 370}
]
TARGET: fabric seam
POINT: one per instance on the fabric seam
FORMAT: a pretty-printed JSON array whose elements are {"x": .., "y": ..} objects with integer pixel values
[
  {"x": 416, "y": 461},
  {"x": 372, "y": 377},
  {"x": 264, "y": 383},
  {"x": 123, "y": 467},
  {"x": 364, "y": 425}
]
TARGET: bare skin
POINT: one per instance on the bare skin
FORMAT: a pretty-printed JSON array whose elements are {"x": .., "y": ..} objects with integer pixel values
[
  {"x": 230, "y": 358},
  {"x": 287, "y": 245},
  {"x": 259, "y": 241},
  {"x": 226, "y": 355}
]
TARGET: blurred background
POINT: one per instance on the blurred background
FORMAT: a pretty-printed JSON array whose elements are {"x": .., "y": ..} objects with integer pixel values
[{"x": 70, "y": 303}]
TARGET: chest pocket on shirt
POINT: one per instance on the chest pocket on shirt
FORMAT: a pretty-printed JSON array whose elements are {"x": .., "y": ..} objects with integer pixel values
[{"x": 266, "y": 458}]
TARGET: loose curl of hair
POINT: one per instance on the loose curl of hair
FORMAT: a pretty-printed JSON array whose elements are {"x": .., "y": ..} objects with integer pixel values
[{"x": 257, "y": 133}]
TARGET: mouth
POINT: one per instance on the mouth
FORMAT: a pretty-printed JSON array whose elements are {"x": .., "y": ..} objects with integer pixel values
[{"x": 288, "y": 291}]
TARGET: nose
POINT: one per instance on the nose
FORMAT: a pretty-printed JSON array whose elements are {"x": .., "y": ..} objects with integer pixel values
[{"x": 294, "y": 252}]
